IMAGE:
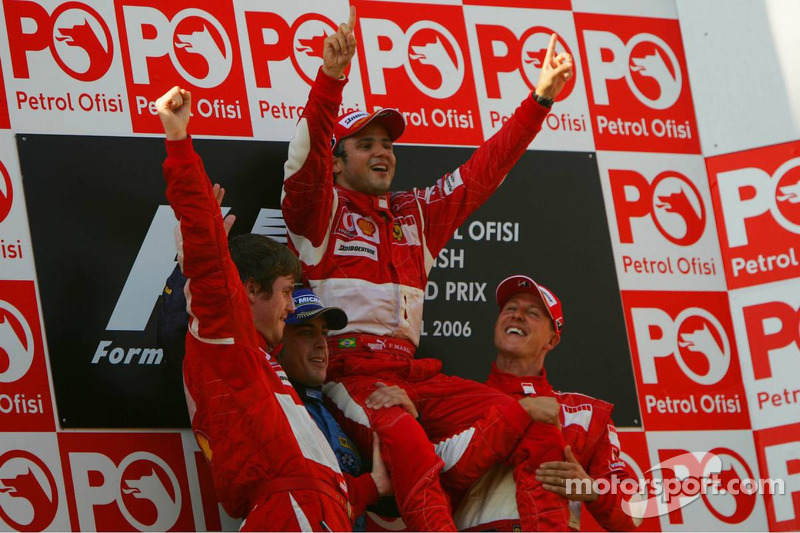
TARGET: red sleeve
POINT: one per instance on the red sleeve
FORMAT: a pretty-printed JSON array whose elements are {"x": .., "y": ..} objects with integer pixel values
[
  {"x": 307, "y": 199},
  {"x": 218, "y": 308},
  {"x": 448, "y": 202},
  {"x": 605, "y": 462},
  {"x": 362, "y": 491}
]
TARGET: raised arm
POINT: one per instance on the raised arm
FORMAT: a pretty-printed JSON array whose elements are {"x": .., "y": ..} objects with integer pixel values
[
  {"x": 456, "y": 195},
  {"x": 201, "y": 240},
  {"x": 307, "y": 198}
]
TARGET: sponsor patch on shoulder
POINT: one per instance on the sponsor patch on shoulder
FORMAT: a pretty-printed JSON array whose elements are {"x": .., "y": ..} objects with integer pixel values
[
  {"x": 452, "y": 182},
  {"x": 357, "y": 248}
]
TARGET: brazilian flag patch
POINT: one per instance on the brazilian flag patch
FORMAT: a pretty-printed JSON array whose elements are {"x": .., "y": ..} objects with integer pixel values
[{"x": 347, "y": 343}]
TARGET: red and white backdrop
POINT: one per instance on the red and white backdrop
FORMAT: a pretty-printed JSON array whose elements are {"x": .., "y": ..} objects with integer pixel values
[{"x": 656, "y": 203}]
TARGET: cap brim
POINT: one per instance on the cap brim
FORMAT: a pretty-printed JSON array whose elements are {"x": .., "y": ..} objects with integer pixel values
[
  {"x": 335, "y": 317},
  {"x": 392, "y": 120}
]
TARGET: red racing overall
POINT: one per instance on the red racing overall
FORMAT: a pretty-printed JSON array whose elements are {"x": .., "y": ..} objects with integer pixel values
[
  {"x": 269, "y": 461},
  {"x": 371, "y": 255},
  {"x": 587, "y": 427}
]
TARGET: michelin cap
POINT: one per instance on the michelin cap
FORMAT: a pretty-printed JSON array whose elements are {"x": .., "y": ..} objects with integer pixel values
[
  {"x": 351, "y": 123},
  {"x": 519, "y": 283},
  {"x": 308, "y": 306}
]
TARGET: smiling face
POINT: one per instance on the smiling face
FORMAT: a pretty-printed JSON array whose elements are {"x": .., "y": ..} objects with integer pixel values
[
  {"x": 524, "y": 329},
  {"x": 270, "y": 311},
  {"x": 304, "y": 356},
  {"x": 369, "y": 163}
]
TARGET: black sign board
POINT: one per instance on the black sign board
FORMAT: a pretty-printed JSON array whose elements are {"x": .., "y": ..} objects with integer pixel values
[{"x": 103, "y": 246}]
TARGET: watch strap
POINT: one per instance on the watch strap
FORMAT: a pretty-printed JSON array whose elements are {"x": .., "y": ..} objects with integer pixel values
[{"x": 546, "y": 102}]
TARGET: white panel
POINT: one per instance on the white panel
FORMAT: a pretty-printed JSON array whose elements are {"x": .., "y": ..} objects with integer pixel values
[{"x": 741, "y": 94}]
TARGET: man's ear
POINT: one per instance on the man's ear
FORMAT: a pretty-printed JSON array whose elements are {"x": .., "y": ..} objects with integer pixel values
[
  {"x": 553, "y": 342},
  {"x": 337, "y": 165},
  {"x": 252, "y": 288}
]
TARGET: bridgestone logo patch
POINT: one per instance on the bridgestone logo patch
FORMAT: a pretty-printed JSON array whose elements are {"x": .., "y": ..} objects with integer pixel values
[{"x": 358, "y": 248}]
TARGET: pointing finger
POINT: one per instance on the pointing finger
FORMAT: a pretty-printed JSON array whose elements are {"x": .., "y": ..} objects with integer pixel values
[
  {"x": 551, "y": 48},
  {"x": 351, "y": 22}
]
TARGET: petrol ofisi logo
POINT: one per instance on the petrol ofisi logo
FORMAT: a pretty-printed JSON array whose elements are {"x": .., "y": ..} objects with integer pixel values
[
  {"x": 778, "y": 459},
  {"x": 757, "y": 201},
  {"x": 25, "y": 403},
  {"x": 638, "y": 84},
  {"x": 284, "y": 46},
  {"x": 660, "y": 220},
  {"x": 74, "y": 34},
  {"x": 721, "y": 478},
  {"x": 11, "y": 248},
  {"x": 123, "y": 481},
  {"x": 767, "y": 322},
  {"x": 508, "y": 52},
  {"x": 196, "y": 47},
  {"x": 522, "y": 54},
  {"x": 64, "y": 62},
  {"x": 672, "y": 202},
  {"x": 421, "y": 67},
  {"x": 685, "y": 361},
  {"x": 273, "y": 39},
  {"x": 29, "y": 496}
]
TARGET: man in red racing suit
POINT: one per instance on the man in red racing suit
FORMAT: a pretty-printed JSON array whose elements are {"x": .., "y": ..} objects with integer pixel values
[
  {"x": 529, "y": 325},
  {"x": 370, "y": 252},
  {"x": 269, "y": 461}
]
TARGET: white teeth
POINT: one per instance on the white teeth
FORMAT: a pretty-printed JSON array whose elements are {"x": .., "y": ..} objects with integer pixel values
[
  {"x": 380, "y": 168},
  {"x": 515, "y": 331}
]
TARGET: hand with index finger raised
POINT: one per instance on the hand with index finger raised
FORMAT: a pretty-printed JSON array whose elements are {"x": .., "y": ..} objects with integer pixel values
[
  {"x": 556, "y": 71},
  {"x": 340, "y": 48}
]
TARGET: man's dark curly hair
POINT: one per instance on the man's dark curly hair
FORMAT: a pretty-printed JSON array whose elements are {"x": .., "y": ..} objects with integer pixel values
[
  {"x": 263, "y": 260},
  {"x": 339, "y": 151}
]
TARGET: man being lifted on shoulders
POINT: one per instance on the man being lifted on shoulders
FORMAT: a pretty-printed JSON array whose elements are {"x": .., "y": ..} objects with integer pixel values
[{"x": 370, "y": 251}]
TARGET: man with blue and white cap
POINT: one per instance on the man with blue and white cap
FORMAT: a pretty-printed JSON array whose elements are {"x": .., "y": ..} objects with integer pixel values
[{"x": 304, "y": 357}]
